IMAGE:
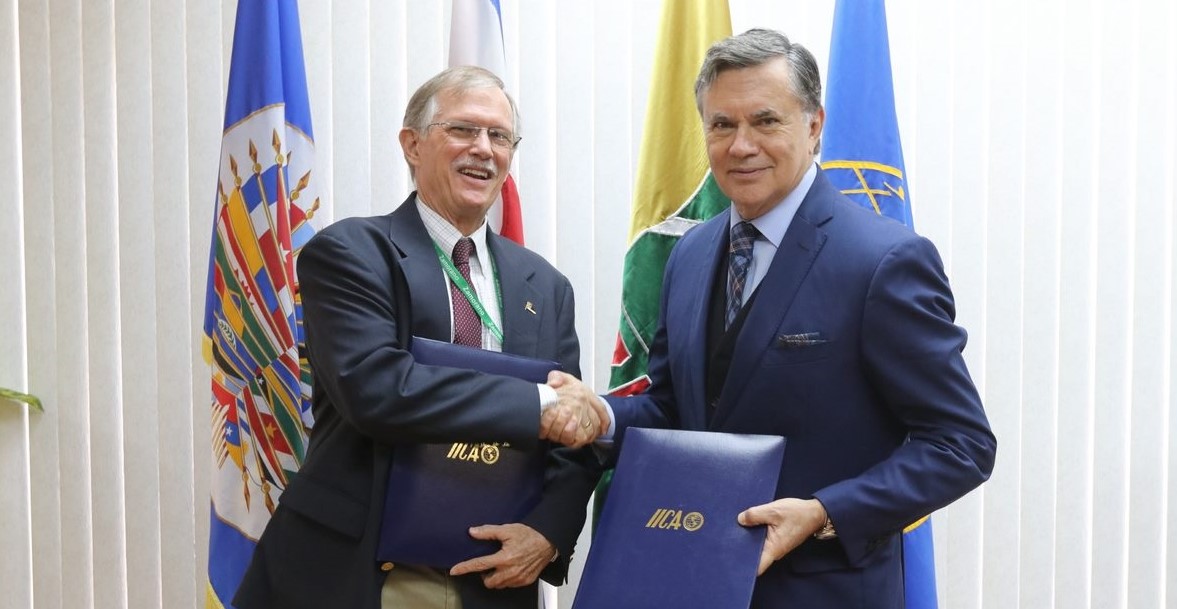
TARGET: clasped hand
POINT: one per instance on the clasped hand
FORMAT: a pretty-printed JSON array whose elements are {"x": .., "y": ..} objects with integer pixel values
[{"x": 578, "y": 418}]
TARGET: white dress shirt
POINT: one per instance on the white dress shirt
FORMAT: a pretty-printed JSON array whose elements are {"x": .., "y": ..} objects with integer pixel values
[{"x": 482, "y": 281}]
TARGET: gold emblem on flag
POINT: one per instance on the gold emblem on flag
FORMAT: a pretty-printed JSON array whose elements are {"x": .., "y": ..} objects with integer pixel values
[{"x": 876, "y": 180}]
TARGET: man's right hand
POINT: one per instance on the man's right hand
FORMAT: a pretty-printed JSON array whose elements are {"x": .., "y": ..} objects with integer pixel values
[{"x": 578, "y": 418}]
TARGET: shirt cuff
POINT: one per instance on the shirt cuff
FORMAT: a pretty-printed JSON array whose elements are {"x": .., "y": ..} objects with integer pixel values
[
  {"x": 547, "y": 397},
  {"x": 607, "y": 437}
]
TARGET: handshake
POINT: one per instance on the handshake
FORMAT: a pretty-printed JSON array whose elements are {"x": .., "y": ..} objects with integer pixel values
[{"x": 578, "y": 418}]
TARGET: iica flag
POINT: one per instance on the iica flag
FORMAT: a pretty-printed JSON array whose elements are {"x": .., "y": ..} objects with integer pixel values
[
  {"x": 265, "y": 196},
  {"x": 862, "y": 156},
  {"x": 476, "y": 39},
  {"x": 861, "y": 152},
  {"x": 674, "y": 190}
]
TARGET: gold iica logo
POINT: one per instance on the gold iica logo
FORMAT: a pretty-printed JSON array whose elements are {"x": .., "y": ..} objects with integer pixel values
[
  {"x": 478, "y": 453},
  {"x": 664, "y": 518}
]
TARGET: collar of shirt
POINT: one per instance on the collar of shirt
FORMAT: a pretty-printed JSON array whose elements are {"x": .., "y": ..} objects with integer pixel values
[
  {"x": 445, "y": 235},
  {"x": 772, "y": 227}
]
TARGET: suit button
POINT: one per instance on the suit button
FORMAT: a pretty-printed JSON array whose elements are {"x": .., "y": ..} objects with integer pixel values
[{"x": 386, "y": 567}]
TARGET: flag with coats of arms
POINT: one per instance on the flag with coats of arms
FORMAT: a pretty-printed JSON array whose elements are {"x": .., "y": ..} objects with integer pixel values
[{"x": 266, "y": 194}]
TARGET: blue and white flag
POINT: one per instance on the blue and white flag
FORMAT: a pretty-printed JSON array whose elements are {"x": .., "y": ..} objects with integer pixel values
[
  {"x": 476, "y": 36},
  {"x": 476, "y": 39},
  {"x": 862, "y": 156},
  {"x": 253, "y": 338}
]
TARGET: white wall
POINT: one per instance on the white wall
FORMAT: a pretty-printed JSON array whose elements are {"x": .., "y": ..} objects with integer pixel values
[{"x": 1040, "y": 143}]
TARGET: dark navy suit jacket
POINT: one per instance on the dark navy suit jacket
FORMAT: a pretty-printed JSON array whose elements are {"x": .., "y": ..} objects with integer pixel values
[
  {"x": 850, "y": 351},
  {"x": 368, "y": 284}
]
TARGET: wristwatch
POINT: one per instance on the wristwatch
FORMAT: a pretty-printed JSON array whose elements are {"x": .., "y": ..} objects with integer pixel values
[{"x": 826, "y": 531}]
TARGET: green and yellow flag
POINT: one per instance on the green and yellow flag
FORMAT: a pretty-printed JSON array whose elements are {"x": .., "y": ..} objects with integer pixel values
[{"x": 675, "y": 189}]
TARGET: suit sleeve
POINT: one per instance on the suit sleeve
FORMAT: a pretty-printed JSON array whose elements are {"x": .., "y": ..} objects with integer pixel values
[
  {"x": 655, "y": 407},
  {"x": 351, "y": 314},
  {"x": 912, "y": 353},
  {"x": 571, "y": 475}
]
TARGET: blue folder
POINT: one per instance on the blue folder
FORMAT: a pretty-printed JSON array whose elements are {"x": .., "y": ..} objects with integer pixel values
[
  {"x": 668, "y": 535},
  {"x": 438, "y": 353},
  {"x": 436, "y": 492}
]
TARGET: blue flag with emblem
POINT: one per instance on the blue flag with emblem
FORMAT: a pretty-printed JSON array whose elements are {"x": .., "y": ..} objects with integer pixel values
[
  {"x": 862, "y": 156},
  {"x": 253, "y": 338},
  {"x": 861, "y": 152}
]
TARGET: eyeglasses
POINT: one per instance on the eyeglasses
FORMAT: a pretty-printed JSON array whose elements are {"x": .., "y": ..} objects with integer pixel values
[{"x": 466, "y": 132}]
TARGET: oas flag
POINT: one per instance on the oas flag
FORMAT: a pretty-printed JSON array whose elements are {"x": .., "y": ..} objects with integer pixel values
[{"x": 265, "y": 196}]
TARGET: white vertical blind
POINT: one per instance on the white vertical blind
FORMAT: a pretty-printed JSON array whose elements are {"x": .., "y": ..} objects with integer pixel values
[
  {"x": 14, "y": 421},
  {"x": 70, "y": 369},
  {"x": 189, "y": 452},
  {"x": 1042, "y": 208},
  {"x": 171, "y": 478},
  {"x": 135, "y": 238},
  {"x": 1041, "y": 145},
  {"x": 1149, "y": 389},
  {"x": 35, "y": 166},
  {"x": 1076, "y": 309},
  {"x": 1001, "y": 200},
  {"x": 967, "y": 198}
]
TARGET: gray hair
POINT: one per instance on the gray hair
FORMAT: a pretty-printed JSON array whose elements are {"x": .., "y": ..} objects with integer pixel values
[
  {"x": 757, "y": 47},
  {"x": 422, "y": 106}
]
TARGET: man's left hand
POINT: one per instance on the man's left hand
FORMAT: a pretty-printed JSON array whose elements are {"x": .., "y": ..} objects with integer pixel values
[
  {"x": 518, "y": 563},
  {"x": 790, "y": 523}
]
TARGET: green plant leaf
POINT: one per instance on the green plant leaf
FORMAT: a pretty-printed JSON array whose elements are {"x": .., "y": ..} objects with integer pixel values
[{"x": 16, "y": 396}]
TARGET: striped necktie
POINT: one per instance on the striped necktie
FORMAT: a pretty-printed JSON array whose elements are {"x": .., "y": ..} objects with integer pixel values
[{"x": 739, "y": 259}]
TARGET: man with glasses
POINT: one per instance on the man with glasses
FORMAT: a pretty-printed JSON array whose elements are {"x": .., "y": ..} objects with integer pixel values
[{"x": 429, "y": 269}]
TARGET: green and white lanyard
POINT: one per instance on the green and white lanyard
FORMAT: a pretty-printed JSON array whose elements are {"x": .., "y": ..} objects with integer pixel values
[{"x": 464, "y": 287}]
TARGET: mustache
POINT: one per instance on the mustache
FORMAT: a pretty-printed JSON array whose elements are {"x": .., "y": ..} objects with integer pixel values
[{"x": 469, "y": 163}]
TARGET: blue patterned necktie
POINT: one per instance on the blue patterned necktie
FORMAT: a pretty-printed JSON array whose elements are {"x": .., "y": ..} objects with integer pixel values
[{"x": 739, "y": 258}]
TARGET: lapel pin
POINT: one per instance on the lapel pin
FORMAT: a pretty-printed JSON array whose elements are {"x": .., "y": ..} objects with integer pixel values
[{"x": 529, "y": 308}]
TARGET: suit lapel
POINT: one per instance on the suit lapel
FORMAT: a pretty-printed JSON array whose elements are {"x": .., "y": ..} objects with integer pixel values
[
  {"x": 428, "y": 290},
  {"x": 522, "y": 303},
  {"x": 692, "y": 304},
  {"x": 794, "y": 258}
]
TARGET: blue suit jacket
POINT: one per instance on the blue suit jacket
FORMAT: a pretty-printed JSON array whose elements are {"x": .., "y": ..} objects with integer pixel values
[
  {"x": 368, "y": 284},
  {"x": 850, "y": 351}
]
